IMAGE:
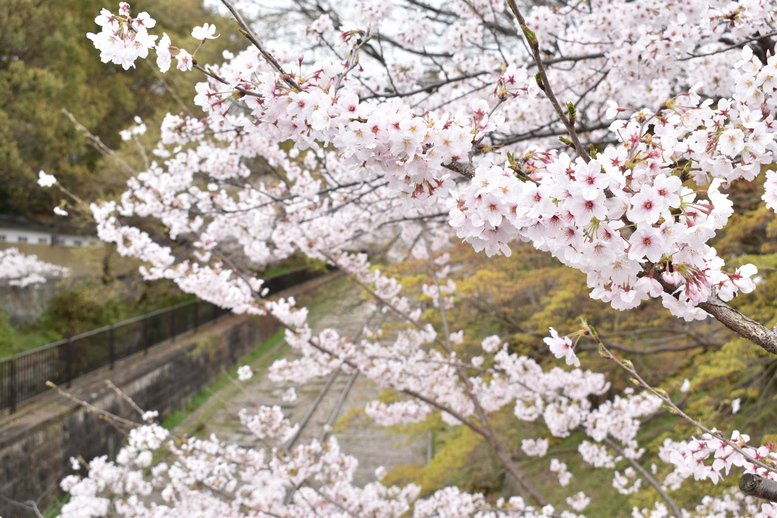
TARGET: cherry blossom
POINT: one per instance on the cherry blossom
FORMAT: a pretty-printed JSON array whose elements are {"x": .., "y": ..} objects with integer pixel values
[
  {"x": 244, "y": 373},
  {"x": 17, "y": 269},
  {"x": 206, "y": 32},
  {"x": 562, "y": 347},
  {"x": 46, "y": 180},
  {"x": 611, "y": 148},
  {"x": 123, "y": 39}
]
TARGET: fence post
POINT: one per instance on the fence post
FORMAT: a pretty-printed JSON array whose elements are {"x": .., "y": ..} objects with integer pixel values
[
  {"x": 111, "y": 340},
  {"x": 69, "y": 360},
  {"x": 12, "y": 383},
  {"x": 146, "y": 339},
  {"x": 172, "y": 324}
]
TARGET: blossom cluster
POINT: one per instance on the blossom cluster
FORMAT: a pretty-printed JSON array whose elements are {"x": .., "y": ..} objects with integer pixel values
[
  {"x": 690, "y": 457},
  {"x": 123, "y": 39},
  {"x": 22, "y": 270},
  {"x": 450, "y": 122},
  {"x": 627, "y": 218},
  {"x": 198, "y": 474}
]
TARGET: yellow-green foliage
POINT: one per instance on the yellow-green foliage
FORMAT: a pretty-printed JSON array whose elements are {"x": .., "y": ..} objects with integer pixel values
[
  {"x": 520, "y": 297},
  {"x": 452, "y": 463}
]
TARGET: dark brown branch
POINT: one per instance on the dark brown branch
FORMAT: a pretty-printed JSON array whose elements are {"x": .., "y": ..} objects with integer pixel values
[
  {"x": 98, "y": 144},
  {"x": 545, "y": 86},
  {"x": 732, "y": 46},
  {"x": 430, "y": 87},
  {"x": 731, "y": 318},
  {"x": 758, "y": 486},
  {"x": 740, "y": 324},
  {"x": 461, "y": 168},
  {"x": 248, "y": 33},
  {"x": 223, "y": 81},
  {"x": 547, "y": 133}
]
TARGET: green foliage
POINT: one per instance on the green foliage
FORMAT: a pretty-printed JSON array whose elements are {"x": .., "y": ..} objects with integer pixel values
[
  {"x": 176, "y": 418},
  {"x": 520, "y": 297},
  {"x": 47, "y": 64},
  {"x": 9, "y": 337},
  {"x": 83, "y": 308},
  {"x": 451, "y": 465}
]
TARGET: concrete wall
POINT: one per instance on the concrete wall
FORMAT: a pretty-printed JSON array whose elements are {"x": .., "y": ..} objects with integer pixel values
[
  {"x": 27, "y": 304},
  {"x": 37, "y": 442}
]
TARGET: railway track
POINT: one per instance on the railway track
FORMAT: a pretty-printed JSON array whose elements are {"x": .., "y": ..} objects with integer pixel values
[{"x": 320, "y": 403}]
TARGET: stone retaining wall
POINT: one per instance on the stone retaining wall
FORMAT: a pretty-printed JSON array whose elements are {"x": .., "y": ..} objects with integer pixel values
[{"x": 37, "y": 442}]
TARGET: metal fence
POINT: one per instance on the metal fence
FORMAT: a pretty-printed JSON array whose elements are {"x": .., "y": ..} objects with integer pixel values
[{"x": 23, "y": 376}]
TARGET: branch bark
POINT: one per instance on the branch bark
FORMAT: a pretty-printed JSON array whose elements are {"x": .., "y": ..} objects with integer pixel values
[
  {"x": 545, "y": 86},
  {"x": 758, "y": 486},
  {"x": 248, "y": 33},
  {"x": 740, "y": 324},
  {"x": 647, "y": 476}
]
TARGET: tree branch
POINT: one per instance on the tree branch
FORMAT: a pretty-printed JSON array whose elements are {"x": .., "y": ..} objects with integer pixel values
[
  {"x": 29, "y": 505},
  {"x": 758, "y": 486},
  {"x": 647, "y": 476},
  {"x": 461, "y": 168},
  {"x": 740, "y": 324},
  {"x": 248, "y": 33},
  {"x": 545, "y": 86}
]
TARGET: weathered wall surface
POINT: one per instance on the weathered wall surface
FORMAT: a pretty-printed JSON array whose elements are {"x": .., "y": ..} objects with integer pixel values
[
  {"x": 37, "y": 442},
  {"x": 25, "y": 305}
]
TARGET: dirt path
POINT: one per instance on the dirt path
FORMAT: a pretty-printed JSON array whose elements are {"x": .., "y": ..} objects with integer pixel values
[{"x": 339, "y": 306}]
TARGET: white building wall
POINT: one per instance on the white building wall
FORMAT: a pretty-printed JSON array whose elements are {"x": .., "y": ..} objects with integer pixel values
[{"x": 9, "y": 235}]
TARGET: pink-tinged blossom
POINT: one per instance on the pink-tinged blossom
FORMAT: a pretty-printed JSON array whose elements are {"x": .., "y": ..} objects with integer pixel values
[
  {"x": 646, "y": 242},
  {"x": 578, "y": 502},
  {"x": 205, "y": 32},
  {"x": 123, "y": 40},
  {"x": 535, "y": 447},
  {"x": 491, "y": 344},
  {"x": 185, "y": 60},
  {"x": 164, "y": 56},
  {"x": 562, "y": 347},
  {"x": 596, "y": 455},
  {"x": 560, "y": 469},
  {"x": 731, "y": 142},
  {"x": 17, "y": 269},
  {"x": 668, "y": 188},
  {"x": 627, "y": 482},
  {"x": 244, "y": 373},
  {"x": 646, "y": 206},
  {"x": 742, "y": 278}
]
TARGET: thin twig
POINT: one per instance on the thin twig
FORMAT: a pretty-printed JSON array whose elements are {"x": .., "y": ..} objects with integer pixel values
[
  {"x": 98, "y": 144},
  {"x": 673, "y": 408},
  {"x": 646, "y": 475},
  {"x": 546, "y": 88},
  {"x": 113, "y": 418},
  {"x": 29, "y": 505},
  {"x": 125, "y": 397},
  {"x": 248, "y": 33}
]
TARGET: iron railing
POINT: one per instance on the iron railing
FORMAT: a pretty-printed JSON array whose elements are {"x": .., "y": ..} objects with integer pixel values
[{"x": 24, "y": 376}]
